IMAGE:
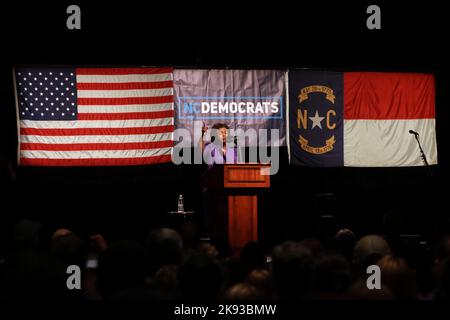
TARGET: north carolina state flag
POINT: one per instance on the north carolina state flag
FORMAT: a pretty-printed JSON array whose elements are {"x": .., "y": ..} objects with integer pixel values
[{"x": 361, "y": 119}]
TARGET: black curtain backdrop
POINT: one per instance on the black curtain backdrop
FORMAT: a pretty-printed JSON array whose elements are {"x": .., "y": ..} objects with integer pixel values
[{"x": 126, "y": 201}]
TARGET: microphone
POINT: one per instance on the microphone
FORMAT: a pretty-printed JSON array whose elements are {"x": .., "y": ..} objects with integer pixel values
[{"x": 413, "y": 132}]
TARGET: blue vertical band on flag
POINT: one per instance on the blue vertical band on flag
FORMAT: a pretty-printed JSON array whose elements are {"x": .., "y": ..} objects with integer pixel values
[{"x": 316, "y": 118}]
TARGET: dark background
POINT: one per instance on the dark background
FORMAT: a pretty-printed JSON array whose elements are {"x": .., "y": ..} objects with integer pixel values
[{"x": 126, "y": 201}]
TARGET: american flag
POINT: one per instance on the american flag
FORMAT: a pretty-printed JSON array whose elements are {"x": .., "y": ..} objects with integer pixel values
[{"x": 94, "y": 116}]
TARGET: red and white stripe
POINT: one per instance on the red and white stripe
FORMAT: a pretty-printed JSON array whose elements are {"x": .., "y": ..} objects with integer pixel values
[
  {"x": 125, "y": 117},
  {"x": 379, "y": 111}
]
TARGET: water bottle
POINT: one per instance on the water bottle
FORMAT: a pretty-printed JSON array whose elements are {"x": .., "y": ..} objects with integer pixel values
[{"x": 180, "y": 203}]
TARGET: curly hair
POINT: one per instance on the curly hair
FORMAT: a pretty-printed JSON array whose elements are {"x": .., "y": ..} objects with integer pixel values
[{"x": 220, "y": 125}]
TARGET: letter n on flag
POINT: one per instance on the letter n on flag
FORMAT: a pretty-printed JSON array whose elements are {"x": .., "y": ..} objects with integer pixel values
[
  {"x": 361, "y": 119},
  {"x": 94, "y": 116}
]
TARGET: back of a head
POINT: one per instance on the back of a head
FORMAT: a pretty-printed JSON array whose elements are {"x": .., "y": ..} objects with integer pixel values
[
  {"x": 60, "y": 233},
  {"x": 163, "y": 247},
  {"x": 252, "y": 257},
  {"x": 69, "y": 248},
  {"x": 200, "y": 278},
  {"x": 121, "y": 266},
  {"x": 368, "y": 250},
  {"x": 332, "y": 274},
  {"x": 312, "y": 244},
  {"x": 345, "y": 241},
  {"x": 242, "y": 291},
  {"x": 208, "y": 249},
  {"x": 156, "y": 236},
  {"x": 261, "y": 279},
  {"x": 291, "y": 270},
  {"x": 398, "y": 277}
]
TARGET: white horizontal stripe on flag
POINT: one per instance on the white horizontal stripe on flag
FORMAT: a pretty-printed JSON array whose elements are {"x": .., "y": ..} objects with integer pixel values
[
  {"x": 125, "y": 108},
  {"x": 134, "y": 93},
  {"x": 97, "y": 138},
  {"x": 388, "y": 143},
  {"x": 83, "y": 124},
  {"x": 90, "y": 154},
  {"x": 124, "y": 78}
]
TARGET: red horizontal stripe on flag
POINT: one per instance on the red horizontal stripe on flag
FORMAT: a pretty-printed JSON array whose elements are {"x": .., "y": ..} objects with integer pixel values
[
  {"x": 124, "y": 85},
  {"x": 96, "y": 146},
  {"x": 122, "y": 71},
  {"x": 385, "y": 96},
  {"x": 124, "y": 101},
  {"x": 96, "y": 131},
  {"x": 126, "y": 116},
  {"x": 95, "y": 162}
]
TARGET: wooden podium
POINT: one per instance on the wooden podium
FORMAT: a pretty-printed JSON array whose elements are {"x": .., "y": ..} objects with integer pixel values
[{"x": 232, "y": 198}]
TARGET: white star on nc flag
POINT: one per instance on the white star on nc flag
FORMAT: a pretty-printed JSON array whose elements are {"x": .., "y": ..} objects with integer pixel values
[{"x": 316, "y": 120}]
